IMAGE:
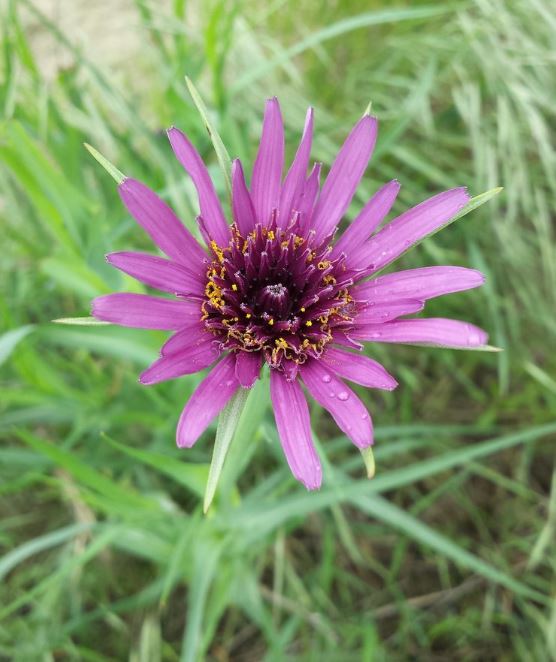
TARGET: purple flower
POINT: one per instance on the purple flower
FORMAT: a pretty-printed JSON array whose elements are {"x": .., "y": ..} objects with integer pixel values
[{"x": 278, "y": 287}]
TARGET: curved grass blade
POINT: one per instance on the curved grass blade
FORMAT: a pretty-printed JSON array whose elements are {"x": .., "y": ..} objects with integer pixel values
[
  {"x": 389, "y": 513},
  {"x": 335, "y": 30},
  {"x": 10, "y": 340}
]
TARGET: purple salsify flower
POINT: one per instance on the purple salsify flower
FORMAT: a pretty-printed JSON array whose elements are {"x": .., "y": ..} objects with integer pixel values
[{"x": 277, "y": 287}]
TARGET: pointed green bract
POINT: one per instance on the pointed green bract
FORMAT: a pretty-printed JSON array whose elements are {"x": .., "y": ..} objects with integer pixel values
[
  {"x": 227, "y": 424},
  {"x": 369, "y": 460},
  {"x": 221, "y": 152},
  {"x": 80, "y": 321},
  {"x": 477, "y": 201},
  {"x": 105, "y": 163}
]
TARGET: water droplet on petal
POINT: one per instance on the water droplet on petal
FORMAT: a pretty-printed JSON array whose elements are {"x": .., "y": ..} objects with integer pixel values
[
  {"x": 326, "y": 379},
  {"x": 343, "y": 396}
]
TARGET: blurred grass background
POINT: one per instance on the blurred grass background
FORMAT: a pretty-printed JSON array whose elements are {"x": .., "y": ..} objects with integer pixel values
[{"x": 449, "y": 553}]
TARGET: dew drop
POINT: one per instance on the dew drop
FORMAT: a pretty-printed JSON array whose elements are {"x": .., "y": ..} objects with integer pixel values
[
  {"x": 326, "y": 379},
  {"x": 343, "y": 396}
]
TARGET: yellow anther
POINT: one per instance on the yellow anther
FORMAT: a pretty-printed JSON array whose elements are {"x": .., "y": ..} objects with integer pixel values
[
  {"x": 234, "y": 287},
  {"x": 308, "y": 323},
  {"x": 248, "y": 315},
  {"x": 217, "y": 251},
  {"x": 271, "y": 321},
  {"x": 302, "y": 310}
]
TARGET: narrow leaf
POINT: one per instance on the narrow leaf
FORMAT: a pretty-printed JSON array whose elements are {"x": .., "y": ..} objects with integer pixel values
[
  {"x": 10, "y": 340},
  {"x": 395, "y": 517}
]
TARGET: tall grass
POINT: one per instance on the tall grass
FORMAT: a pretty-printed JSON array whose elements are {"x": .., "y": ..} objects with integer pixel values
[{"x": 449, "y": 552}]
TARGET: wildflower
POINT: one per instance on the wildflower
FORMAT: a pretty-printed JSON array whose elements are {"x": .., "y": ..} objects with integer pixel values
[{"x": 277, "y": 287}]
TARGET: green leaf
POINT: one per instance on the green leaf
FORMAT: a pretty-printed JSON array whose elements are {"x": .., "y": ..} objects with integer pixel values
[
  {"x": 207, "y": 554},
  {"x": 258, "y": 519},
  {"x": 16, "y": 556},
  {"x": 188, "y": 475},
  {"x": 221, "y": 152},
  {"x": 88, "y": 476},
  {"x": 227, "y": 424},
  {"x": 10, "y": 340},
  {"x": 80, "y": 321},
  {"x": 105, "y": 163},
  {"x": 335, "y": 30},
  {"x": 418, "y": 530}
]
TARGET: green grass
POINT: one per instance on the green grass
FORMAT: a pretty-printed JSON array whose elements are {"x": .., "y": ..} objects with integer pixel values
[{"x": 449, "y": 553}]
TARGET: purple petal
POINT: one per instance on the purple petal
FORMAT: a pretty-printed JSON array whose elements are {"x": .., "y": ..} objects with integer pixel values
[
  {"x": 435, "y": 331},
  {"x": 197, "y": 356},
  {"x": 342, "y": 338},
  {"x": 267, "y": 171},
  {"x": 359, "y": 369},
  {"x": 344, "y": 177},
  {"x": 384, "y": 311},
  {"x": 161, "y": 224},
  {"x": 248, "y": 367},
  {"x": 145, "y": 312},
  {"x": 368, "y": 219},
  {"x": 207, "y": 401},
  {"x": 192, "y": 333},
  {"x": 242, "y": 205},
  {"x": 157, "y": 272},
  {"x": 425, "y": 283},
  {"x": 292, "y": 420},
  {"x": 306, "y": 202},
  {"x": 345, "y": 407},
  {"x": 211, "y": 210},
  {"x": 294, "y": 182},
  {"x": 412, "y": 226}
]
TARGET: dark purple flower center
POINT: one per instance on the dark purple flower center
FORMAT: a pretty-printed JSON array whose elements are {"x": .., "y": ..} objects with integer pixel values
[{"x": 275, "y": 292}]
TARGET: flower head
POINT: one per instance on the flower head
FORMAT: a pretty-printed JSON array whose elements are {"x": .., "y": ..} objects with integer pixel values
[{"x": 277, "y": 286}]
